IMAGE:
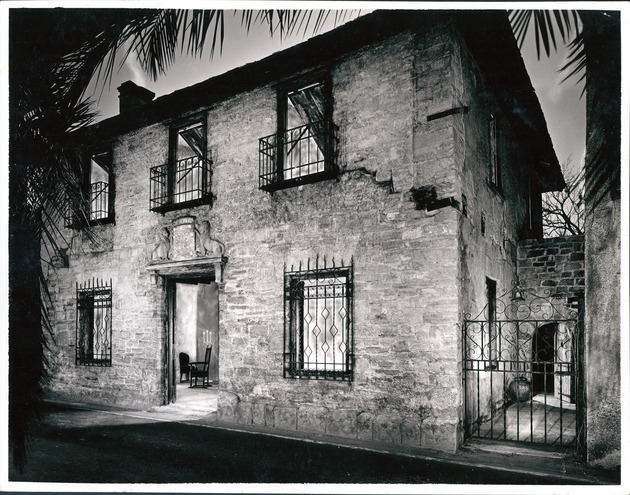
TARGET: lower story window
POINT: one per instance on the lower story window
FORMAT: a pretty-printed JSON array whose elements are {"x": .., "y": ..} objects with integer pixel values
[
  {"x": 94, "y": 323},
  {"x": 319, "y": 336}
]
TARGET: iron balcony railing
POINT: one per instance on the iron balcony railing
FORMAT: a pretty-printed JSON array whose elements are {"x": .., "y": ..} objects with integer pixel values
[
  {"x": 298, "y": 156},
  {"x": 93, "y": 210},
  {"x": 185, "y": 183},
  {"x": 99, "y": 200}
]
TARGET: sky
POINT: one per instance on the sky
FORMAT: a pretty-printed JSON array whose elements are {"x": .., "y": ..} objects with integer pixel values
[{"x": 562, "y": 105}]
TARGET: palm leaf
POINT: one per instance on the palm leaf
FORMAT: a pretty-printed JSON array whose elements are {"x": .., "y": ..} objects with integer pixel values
[
  {"x": 545, "y": 26},
  {"x": 576, "y": 60}
]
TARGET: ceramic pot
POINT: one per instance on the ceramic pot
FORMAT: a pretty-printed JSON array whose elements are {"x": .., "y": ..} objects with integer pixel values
[{"x": 520, "y": 390}]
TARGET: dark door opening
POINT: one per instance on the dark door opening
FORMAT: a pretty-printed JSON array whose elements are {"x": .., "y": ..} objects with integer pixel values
[{"x": 543, "y": 358}]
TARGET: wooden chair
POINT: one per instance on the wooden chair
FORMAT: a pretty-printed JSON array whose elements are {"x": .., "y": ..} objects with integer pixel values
[
  {"x": 201, "y": 369},
  {"x": 184, "y": 366}
]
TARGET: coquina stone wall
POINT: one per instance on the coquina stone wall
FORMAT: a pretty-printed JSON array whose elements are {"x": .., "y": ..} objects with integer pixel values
[
  {"x": 493, "y": 217},
  {"x": 553, "y": 267}
]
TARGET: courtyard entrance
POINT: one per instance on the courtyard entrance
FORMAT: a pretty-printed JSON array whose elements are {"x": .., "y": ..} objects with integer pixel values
[
  {"x": 522, "y": 371},
  {"x": 193, "y": 326}
]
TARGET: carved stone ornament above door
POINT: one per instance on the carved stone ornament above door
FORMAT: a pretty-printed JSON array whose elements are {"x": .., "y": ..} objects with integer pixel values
[{"x": 187, "y": 249}]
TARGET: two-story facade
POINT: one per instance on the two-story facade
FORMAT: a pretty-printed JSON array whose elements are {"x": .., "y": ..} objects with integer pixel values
[{"x": 325, "y": 217}]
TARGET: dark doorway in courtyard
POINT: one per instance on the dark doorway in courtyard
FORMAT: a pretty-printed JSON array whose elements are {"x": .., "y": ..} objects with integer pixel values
[
  {"x": 543, "y": 352},
  {"x": 193, "y": 329}
]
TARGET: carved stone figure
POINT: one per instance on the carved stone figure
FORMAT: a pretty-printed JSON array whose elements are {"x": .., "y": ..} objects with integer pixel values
[
  {"x": 205, "y": 245},
  {"x": 162, "y": 248}
]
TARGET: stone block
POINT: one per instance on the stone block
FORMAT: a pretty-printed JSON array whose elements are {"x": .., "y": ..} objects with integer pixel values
[
  {"x": 244, "y": 413},
  {"x": 411, "y": 431},
  {"x": 342, "y": 423},
  {"x": 227, "y": 404},
  {"x": 364, "y": 426},
  {"x": 440, "y": 437},
  {"x": 386, "y": 428},
  {"x": 285, "y": 417},
  {"x": 269, "y": 415},
  {"x": 258, "y": 414},
  {"x": 312, "y": 419}
]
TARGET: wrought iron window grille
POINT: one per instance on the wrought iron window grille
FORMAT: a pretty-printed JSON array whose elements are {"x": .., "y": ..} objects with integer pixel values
[
  {"x": 186, "y": 179},
  {"x": 94, "y": 323},
  {"x": 319, "y": 321}
]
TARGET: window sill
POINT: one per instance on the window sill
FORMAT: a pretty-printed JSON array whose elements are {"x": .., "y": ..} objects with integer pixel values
[
  {"x": 95, "y": 362},
  {"x": 91, "y": 223},
  {"x": 299, "y": 181},
  {"x": 180, "y": 206},
  {"x": 328, "y": 376}
]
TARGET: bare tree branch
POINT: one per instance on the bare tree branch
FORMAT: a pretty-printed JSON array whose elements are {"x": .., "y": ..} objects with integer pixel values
[{"x": 563, "y": 211}]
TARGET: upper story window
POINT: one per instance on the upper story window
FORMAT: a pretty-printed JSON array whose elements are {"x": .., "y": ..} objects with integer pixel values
[
  {"x": 96, "y": 191},
  {"x": 99, "y": 192},
  {"x": 495, "y": 158},
  {"x": 185, "y": 180},
  {"x": 304, "y": 149}
]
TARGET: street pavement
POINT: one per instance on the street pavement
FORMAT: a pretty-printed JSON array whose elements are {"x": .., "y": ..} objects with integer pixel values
[{"x": 81, "y": 444}]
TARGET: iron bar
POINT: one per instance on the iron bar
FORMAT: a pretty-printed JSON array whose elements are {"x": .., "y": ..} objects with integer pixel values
[
  {"x": 94, "y": 323},
  {"x": 186, "y": 183},
  {"x": 299, "y": 155}
]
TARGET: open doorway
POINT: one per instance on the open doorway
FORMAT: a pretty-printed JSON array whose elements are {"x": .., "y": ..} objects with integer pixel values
[
  {"x": 193, "y": 327},
  {"x": 543, "y": 359}
]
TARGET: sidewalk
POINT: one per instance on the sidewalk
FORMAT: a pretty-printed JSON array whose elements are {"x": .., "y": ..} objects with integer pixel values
[{"x": 502, "y": 458}]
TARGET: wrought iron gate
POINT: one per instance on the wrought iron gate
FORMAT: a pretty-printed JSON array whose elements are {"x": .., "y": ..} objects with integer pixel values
[{"x": 522, "y": 371}]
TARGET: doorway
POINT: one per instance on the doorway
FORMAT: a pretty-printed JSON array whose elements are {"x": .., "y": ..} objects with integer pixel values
[
  {"x": 193, "y": 321},
  {"x": 543, "y": 358}
]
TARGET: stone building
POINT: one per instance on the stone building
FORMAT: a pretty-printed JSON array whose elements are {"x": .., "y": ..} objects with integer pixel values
[{"x": 324, "y": 218}]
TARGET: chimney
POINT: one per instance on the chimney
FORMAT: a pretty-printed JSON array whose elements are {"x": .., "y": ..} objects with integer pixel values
[{"x": 132, "y": 97}]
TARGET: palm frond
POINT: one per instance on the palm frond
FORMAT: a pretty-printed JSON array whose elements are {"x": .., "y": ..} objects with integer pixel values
[
  {"x": 576, "y": 61},
  {"x": 199, "y": 27},
  {"x": 546, "y": 24}
]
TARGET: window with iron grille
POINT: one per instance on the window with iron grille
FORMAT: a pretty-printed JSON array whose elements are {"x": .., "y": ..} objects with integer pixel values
[
  {"x": 304, "y": 148},
  {"x": 185, "y": 180},
  {"x": 94, "y": 323},
  {"x": 319, "y": 322},
  {"x": 495, "y": 158},
  {"x": 97, "y": 192}
]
